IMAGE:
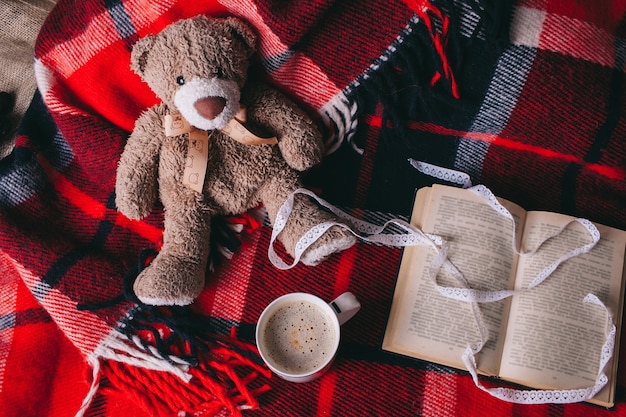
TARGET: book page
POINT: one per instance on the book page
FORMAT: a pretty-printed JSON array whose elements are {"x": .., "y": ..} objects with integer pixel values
[
  {"x": 427, "y": 325},
  {"x": 553, "y": 339}
]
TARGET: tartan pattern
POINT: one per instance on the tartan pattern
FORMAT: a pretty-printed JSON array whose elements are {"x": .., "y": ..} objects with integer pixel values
[{"x": 539, "y": 121}]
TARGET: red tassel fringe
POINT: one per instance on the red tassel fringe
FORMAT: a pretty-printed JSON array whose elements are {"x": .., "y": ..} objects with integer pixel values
[
  {"x": 224, "y": 382},
  {"x": 424, "y": 9}
]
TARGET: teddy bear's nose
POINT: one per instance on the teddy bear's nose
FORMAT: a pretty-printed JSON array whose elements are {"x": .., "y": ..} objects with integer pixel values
[{"x": 210, "y": 107}]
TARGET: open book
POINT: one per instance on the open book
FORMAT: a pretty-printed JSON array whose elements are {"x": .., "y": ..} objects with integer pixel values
[{"x": 546, "y": 337}]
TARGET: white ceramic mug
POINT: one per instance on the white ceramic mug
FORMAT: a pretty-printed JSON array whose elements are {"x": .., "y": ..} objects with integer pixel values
[{"x": 298, "y": 334}]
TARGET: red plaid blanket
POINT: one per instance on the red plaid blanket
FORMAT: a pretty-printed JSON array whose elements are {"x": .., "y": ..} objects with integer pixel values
[{"x": 527, "y": 98}]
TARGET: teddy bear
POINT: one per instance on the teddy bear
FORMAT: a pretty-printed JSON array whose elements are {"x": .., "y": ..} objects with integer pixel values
[{"x": 217, "y": 144}]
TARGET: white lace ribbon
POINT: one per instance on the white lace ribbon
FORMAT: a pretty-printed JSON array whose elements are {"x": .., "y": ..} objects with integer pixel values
[
  {"x": 551, "y": 396},
  {"x": 466, "y": 293},
  {"x": 445, "y": 174},
  {"x": 373, "y": 233},
  {"x": 366, "y": 231}
]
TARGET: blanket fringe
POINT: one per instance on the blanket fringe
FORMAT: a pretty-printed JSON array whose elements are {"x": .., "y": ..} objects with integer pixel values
[
  {"x": 340, "y": 118},
  {"x": 191, "y": 369},
  {"x": 224, "y": 380},
  {"x": 133, "y": 351},
  {"x": 93, "y": 389},
  {"x": 427, "y": 11},
  {"x": 428, "y": 53},
  {"x": 399, "y": 68}
]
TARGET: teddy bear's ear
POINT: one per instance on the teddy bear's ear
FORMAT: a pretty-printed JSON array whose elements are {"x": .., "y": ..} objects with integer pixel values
[
  {"x": 243, "y": 32},
  {"x": 139, "y": 55}
]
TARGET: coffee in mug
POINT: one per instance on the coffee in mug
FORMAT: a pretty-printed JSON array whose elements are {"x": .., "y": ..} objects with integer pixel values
[
  {"x": 299, "y": 337},
  {"x": 298, "y": 334}
]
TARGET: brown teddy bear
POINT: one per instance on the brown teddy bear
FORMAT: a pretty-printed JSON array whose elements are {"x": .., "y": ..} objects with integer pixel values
[{"x": 194, "y": 151}]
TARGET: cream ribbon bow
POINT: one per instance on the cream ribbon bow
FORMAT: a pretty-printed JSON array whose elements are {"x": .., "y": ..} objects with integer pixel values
[
  {"x": 175, "y": 124},
  {"x": 198, "y": 148}
]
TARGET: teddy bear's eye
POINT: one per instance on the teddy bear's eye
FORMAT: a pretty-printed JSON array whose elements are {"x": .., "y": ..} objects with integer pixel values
[
  {"x": 180, "y": 80},
  {"x": 219, "y": 72}
]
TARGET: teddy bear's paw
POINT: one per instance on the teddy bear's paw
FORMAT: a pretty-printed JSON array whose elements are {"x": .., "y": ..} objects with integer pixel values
[
  {"x": 131, "y": 208},
  {"x": 335, "y": 239},
  {"x": 169, "y": 280}
]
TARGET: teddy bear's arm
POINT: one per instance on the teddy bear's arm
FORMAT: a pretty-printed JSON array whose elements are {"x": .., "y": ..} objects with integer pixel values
[
  {"x": 299, "y": 140},
  {"x": 136, "y": 185}
]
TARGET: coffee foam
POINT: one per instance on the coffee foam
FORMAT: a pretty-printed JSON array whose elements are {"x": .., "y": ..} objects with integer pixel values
[{"x": 299, "y": 337}]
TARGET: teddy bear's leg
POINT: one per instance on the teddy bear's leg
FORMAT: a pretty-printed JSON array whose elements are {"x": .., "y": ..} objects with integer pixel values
[
  {"x": 306, "y": 213},
  {"x": 176, "y": 275}
]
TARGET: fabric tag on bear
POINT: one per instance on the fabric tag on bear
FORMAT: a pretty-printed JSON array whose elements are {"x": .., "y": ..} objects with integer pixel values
[
  {"x": 175, "y": 124},
  {"x": 197, "y": 160}
]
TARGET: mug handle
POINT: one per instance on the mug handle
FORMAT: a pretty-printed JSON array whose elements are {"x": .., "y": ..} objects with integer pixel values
[{"x": 345, "y": 306}]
